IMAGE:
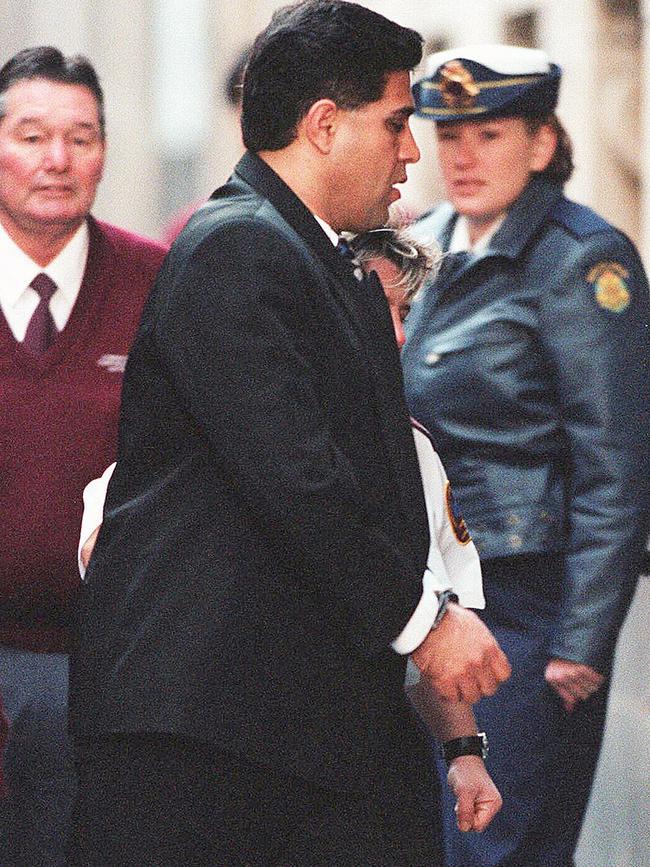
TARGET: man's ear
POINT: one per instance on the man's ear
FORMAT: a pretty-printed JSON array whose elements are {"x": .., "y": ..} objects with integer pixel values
[{"x": 320, "y": 123}]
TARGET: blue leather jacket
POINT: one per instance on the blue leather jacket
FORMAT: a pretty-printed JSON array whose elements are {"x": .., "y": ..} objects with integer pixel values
[{"x": 529, "y": 362}]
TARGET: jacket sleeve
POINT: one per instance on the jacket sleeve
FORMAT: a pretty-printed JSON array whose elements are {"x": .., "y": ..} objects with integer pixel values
[
  {"x": 595, "y": 326},
  {"x": 234, "y": 334}
]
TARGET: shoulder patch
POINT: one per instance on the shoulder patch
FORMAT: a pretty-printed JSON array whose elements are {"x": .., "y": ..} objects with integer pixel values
[
  {"x": 611, "y": 289},
  {"x": 578, "y": 219},
  {"x": 456, "y": 520}
]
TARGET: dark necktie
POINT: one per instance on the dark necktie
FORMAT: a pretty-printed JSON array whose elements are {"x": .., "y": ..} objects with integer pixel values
[
  {"x": 41, "y": 331},
  {"x": 344, "y": 249}
]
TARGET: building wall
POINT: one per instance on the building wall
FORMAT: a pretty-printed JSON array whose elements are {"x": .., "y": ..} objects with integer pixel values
[{"x": 602, "y": 100}]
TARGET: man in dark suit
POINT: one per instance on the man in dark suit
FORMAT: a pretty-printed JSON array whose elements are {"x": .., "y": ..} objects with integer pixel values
[{"x": 258, "y": 578}]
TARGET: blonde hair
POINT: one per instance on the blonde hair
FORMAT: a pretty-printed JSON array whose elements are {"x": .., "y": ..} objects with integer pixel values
[{"x": 415, "y": 259}]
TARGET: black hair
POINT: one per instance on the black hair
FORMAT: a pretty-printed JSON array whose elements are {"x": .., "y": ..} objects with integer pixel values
[
  {"x": 47, "y": 62},
  {"x": 319, "y": 49}
]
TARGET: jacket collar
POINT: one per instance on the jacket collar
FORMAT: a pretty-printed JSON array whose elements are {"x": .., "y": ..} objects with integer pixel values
[
  {"x": 352, "y": 294},
  {"x": 526, "y": 216},
  {"x": 365, "y": 304},
  {"x": 262, "y": 178}
]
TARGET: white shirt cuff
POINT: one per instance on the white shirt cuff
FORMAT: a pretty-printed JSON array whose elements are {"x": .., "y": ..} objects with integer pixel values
[
  {"x": 94, "y": 496},
  {"x": 421, "y": 621}
]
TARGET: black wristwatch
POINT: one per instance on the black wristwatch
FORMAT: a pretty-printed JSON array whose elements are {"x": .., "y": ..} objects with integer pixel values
[{"x": 474, "y": 745}]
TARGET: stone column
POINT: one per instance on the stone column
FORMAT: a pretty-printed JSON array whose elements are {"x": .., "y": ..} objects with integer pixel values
[
  {"x": 567, "y": 32},
  {"x": 123, "y": 54}
]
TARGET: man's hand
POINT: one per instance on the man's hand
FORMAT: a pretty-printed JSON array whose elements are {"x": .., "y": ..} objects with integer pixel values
[
  {"x": 477, "y": 798},
  {"x": 572, "y": 681},
  {"x": 87, "y": 547},
  {"x": 460, "y": 658}
]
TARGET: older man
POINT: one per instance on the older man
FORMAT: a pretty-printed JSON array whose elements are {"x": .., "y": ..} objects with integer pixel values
[
  {"x": 258, "y": 578},
  {"x": 71, "y": 296}
]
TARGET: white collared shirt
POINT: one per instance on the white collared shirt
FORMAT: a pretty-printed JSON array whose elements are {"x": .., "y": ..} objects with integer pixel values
[
  {"x": 459, "y": 241},
  {"x": 329, "y": 231},
  {"x": 18, "y": 300}
]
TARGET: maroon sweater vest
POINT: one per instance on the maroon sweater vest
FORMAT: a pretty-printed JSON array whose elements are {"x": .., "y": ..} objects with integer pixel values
[{"x": 58, "y": 430}]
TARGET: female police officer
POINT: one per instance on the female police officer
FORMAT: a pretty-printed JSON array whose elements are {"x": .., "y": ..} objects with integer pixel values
[{"x": 528, "y": 359}]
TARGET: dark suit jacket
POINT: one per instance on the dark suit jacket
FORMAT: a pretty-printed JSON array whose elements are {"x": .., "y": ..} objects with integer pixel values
[{"x": 265, "y": 534}]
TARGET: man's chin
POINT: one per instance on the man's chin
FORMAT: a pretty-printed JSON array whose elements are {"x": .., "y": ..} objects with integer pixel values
[
  {"x": 372, "y": 221},
  {"x": 58, "y": 216}
]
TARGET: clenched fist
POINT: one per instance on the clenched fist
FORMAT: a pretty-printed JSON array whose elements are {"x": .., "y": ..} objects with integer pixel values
[
  {"x": 460, "y": 658},
  {"x": 477, "y": 798}
]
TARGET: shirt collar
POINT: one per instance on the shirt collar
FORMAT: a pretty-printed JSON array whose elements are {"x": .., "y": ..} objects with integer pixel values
[
  {"x": 66, "y": 269},
  {"x": 329, "y": 231},
  {"x": 459, "y": 241}
]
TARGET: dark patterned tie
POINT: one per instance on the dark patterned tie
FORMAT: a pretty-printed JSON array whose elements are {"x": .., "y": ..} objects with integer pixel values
[
  {"x": 344, "y": 249},
  {"x": 41, "y": 331}
]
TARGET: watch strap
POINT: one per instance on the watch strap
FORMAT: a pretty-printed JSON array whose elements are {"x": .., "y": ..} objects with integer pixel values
[
  {"x": 444, "y": 598},
  {"x": 471, "y": 745}
]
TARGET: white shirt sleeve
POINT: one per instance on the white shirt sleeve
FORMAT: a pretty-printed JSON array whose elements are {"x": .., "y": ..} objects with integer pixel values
[
  {"x": 453, "y": 557},
  {"x": 94, "y": 496},
  {"x": 421, "y": 621},
  {"x": 453, "y": 561}
]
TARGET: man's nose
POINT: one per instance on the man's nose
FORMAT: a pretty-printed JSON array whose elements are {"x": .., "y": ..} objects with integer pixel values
[
  {"x": 57, "y": 155},
  {"x": 410, "y": 152}
]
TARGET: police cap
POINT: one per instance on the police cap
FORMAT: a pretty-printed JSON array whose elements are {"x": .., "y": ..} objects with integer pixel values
[{"x": 482, "y": 81}]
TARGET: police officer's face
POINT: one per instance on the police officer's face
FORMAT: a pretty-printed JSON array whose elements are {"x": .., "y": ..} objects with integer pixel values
[
  {"x": 486, "y": 165},
  {"x": 51, "y": 157}
]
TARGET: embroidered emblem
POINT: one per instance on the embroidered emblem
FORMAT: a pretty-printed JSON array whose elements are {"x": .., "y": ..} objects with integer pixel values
[
  {"x": 610, "y": 287},
  {"x": 456, "y": 520},
  {"x": 457, "y": 86},
  {"x": 112, "y": 363}
]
